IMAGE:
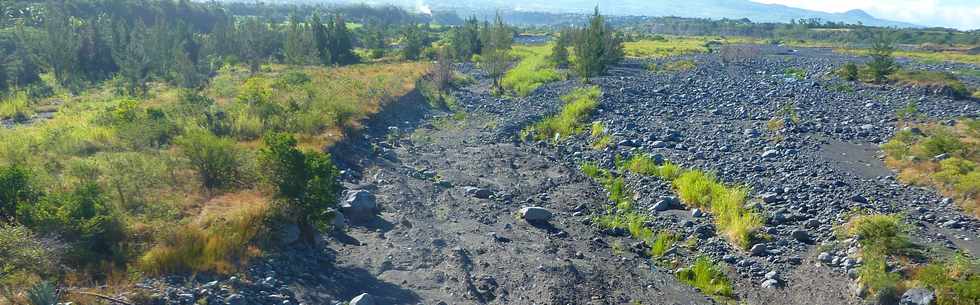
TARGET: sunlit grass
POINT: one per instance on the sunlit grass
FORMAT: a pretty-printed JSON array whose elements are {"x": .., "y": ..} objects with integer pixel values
[
  {"x": 578, "y": 107},
  {"x": 532, "y": 70},
  {"x": 706, "y": 276}
]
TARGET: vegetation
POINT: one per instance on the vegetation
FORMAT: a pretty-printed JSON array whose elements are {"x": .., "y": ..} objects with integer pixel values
[
  {"x": 673, "y": 67},
  {"x": 955, "y": 281},
  {"x": 938, "y": 81},
  {"x": 736, "y": 222},
  {"x": 880, "y": 236},
  {"x": 706, "y": 276},
  {"x": 665, "y": 47},
  {"x": 882, "y": 62},
  {"x": 600, "y": 139},
  {"x": 662, "y": 243},
  {"x": 534, "y": 69},
  {"x": 597, "y": 47},
  {"x": 943, "y": 157},
  {"x": 579, "y": 105},
  {"x": 496, "y": 46}
]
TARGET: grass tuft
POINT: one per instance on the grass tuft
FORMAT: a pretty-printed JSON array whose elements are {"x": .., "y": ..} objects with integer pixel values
[
  {"x": 703, "y": 190},
  {"x": 706, "y": 276},
  {"x": 533, "y": 70},
  {"x": 579, "y": 105}
]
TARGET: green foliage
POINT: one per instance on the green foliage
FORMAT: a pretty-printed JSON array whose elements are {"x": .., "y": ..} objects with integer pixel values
[
  {"x": 875, "y": 276},
  {"x": 882, "y": 62},
  {"x": 703, "y": 190},
  {"x": 217, "y": 160},
  {"x": 880, "y": 235},
  {"x": 936, "y": 80},
  {"x": 796, "y": 73},
  {"x": 706, "y": 276},
  {"x": 533, "y": 70},
  {"x": 579, "y": 105},
  {"x": 464, "y": 41},
  {"x": 662, "y": 243},
  {"x": 597, "y": 47},
  {"x": 669, "y": 171},
  {"x": 414, "y": 41},
  {"x": 16, "y": 105},
  {"x": 849, "y": 71},
  {"x": 497, "y": 42},
  {"x": 592, "y": 170},
  {"x": 940, "y": 141},
  {"x": 559, "y": 49},
  {"x": 16, "y": 191},
  {"x": 955, "y": 282},
  {"x": 42, "y": 293},
  {"x": 305, "y": 182},
  {"x": 673, "y": 66},
  {"x": 642, "y": 164},
  {"x": 26, "y": 255}
]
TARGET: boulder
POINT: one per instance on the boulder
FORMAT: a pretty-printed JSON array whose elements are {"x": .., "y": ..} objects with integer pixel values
[
  {"x": 363, "y": 299},
  {"x": 536, "y": 214},
  {"x": 800, "y": 235},
  {"x": 666, "y": 203},
  {"x": 918, "y": 296},
  {"x": 759, "y": 250},
  {"x": 359, "y": 205},
  {"x": 478, "y": 192}
]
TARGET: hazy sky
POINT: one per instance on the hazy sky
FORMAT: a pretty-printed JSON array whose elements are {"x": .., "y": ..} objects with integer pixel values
[{"x": 961, "y": 14}]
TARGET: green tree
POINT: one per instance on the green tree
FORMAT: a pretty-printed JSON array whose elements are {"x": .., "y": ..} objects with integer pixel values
[
  {"x": 597, "y": 47},
  {"x": 16, "y": 191},
  {"x": 60, "y": 44},
  {"x": 216, "y": 160},
  {"x": 882, "y": 62},
  {"x": 132, "y": 58},
  {"x": 299, "y": 47},
  {"x": 342, "y": 45},
  {"x": 465, "y": 40},
  {"x": 306, "y": 183},
  {"x": 413, "y": 42},
  {"x": 496, "y": 51},
  {"x": 321, "y": 40},
  {"x": 559, "y": 51}
]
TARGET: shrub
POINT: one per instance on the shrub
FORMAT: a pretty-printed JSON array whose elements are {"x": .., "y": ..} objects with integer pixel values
[
  {"x": 706, "y": 276},
  {"x": 875, "y": 275},
  {"x": 943, "y": 82},
  {"x": 592, "y": 170},
  {"x": 882, "y": 62},
  {"x": 669, "y": 171},
  {"x": 642, "y": 164},
  {"x": 955, "y": 282},
  {"x": 25, "y": 255},
  {"x": 879, "y": 234},
  {"x": 42, "y": 293},
  {"x": 941, "y": 141},
  {"x": 216, "y": 160},
  {"x": 306, "y": 183},
  {"x": 663, "y": 242},
  {"x": 16, "y": 190},
  {"x": 579, "y": 105},
  {"x": 533, "y": 70},
  {"x": 849, "y": 71}
]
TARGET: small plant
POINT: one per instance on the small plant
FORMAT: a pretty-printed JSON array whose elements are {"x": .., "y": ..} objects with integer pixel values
[
  {"x": 592, "y": 170},
  {"x": 796, "y": 73},
  {"x": 643, "y": 165},
  {"x": 955, "y": 281},
  {"x": 600, "y": 140},
  {"x": 706, "y": 276},
  {"x": 849, "y": 71},
  {"x": 880, "y": 234},
  {"x": 579, "y": 105},
  {"x": 42, "y": 294},
  {"x": 662, "y": 243},
  {"x": 882, "y": 62},
  {"x": 669, "y": 171},
  {"x": 673, "y": 67},
  {"x": 907, "y": 113}
]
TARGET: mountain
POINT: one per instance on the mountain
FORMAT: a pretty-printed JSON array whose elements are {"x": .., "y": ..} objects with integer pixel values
[{"x": 714, "y": 9}]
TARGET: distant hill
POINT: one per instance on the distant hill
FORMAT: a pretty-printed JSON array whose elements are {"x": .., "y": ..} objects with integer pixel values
[{"x": 714, "y": 9}]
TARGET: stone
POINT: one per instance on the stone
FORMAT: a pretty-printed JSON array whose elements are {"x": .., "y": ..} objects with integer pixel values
[
  {"x": 696, "y": 213},
  {"x": 339, "y": 222},
  {"x": 363, "y": 299},
  {"x": 859, "y": 199},
  {"x": 288, "y": 233},
  {"x": 759, "y": 249},
  {"x": 800, "y": 235},
  {"x": 825, "y": 257},
  {"x": 235, "y": 299},
  {"x": 359, "y": 205},
  {"x": 770, "y": 197},
  {"x": 770, "y": 284},
  {"x": 658, "y": 144},
  {"x": 536, "y": 214},
  {"x": 918, "y": 296},
  {"x": 772, "y": 153},
  {"x": 478, "y": 192},
  {"x": 666, "y": 203}
]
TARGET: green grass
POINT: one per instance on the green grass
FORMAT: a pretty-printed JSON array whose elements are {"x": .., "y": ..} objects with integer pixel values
[
  {"x": 673, "y": 67},
  {"x": 955, "y": 282},
  {"x": 642, "y": 164},
  {"x": 600, "y": 139},
  {"x": 733, "y": 220},
  {"x": 707, "y": 277},
  {"x": 797, "y": 73},
  {"x": 578, "y": 107},
  {"x": 671, "y": 46},
  {"x": 880, "y": 234},
  {"x": 932, "y": 79},
  {"x": 15, "y": 105},
  {"x": 533, "y": 70},
  {"x": 663, "y": 242}
]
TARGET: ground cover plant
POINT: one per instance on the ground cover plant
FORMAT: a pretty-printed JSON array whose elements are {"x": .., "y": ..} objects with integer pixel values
[
  {"x": 571, "y": 119},
  {"x": 533, "y": 69}
]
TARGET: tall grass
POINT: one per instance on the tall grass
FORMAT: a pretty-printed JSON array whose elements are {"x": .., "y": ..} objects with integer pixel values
[
  {"x": 662, "y": 243},
  {"x": 703, "y": 190},
  {"x": 579, "y": 105},
  {"x": 706, "y": 276},
  {"x": 642, "y": 164},
  {"x": 533, "y": 70},
  {"x": 16, "y": 105},
  {"x": 671, "y": 46}
]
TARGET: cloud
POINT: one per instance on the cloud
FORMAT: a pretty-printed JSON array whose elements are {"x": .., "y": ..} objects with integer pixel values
[{"x": 960, "y": 14}]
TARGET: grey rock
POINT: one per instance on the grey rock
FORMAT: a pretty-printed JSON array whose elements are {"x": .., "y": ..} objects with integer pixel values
[
  {"x": 363, "y": 299},
  {"x": 359, "y": 205},
  {"x": 825, "y": 257},
  {"x": 696, "y": 213},
  {"x": 478, "y": 192},
  {"x": 666, "y": 203},
  {"x": 772, "y": 153},
  {"x": 658, "y": 144},
  {"x": 918, "y": 296},
  {"x": 288, "y": 233},
  {"x": 759, "y": 249},
  {"x": 770, "y": 197},
  {"x": 800, "y": 235},
  {"x": 235, "y": 299},
  {"x": 859, "y": 199},
  {"x": 770, "y": 284},
  {"x": 536, "y": 214}
]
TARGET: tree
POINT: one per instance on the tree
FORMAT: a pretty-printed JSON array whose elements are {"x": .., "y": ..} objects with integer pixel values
[
  {"x": 60, "y": 45},
  {"x": 413, "y": 42},
  {"x": 342, "y": 46},
  {"x": 132, "y": 58},
  {"x": 216, "y": 160},
  {"x": 16, "y": 190},
  {"x": 559, "y": 51},
  {"x": 882, "y": 63},
  {"x": 465, "y": 40},
  {"x": 374, "y": 40},
  {"x": 321, "y": 40},
  {"x": 306, "y": 183},
  {"x": 597, "y": 47},
  {"x": 299, "y": 48},
  {"x": 496, "y": 51}
]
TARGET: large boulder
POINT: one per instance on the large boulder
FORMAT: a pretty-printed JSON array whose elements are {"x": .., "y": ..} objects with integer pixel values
[
  {"x": 359, "y": 205},
  {"x": 478, "y": 192},
  {"x": 536, "y": 214},
  {"x": 363, "y": 299}
]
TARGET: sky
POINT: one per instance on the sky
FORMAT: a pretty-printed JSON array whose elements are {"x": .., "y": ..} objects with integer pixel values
[{"x": 960, "y": 14}]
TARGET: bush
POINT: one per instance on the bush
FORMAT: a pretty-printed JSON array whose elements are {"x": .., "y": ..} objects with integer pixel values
[
  {"x": 306, "y": 183},
  {"x": 849, "y": 71},
  {"x": 663, "y": 242},
  {"x": 16, "y": 191},
  {"x": 735, "y": 222},
  {"x": 955, "y": 282},
  {"x": 26, "y": 256},
  {"x": 941, "y": 82},
  {"x": 707, "y": 277},
  {"x": 42, "y": 294},
  {"x": 882, "y": 62},
  {"x": 643, "y": 165},
  {"x": 217, "y": 160},
  {"x": 881, "y": 235}
]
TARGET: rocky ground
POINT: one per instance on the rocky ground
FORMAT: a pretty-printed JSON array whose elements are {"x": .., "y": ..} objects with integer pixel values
[{"x": 435, "y": 215}]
